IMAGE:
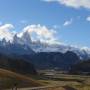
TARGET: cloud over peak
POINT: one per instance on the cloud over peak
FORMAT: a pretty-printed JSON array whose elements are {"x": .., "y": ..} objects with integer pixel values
[
  {"x": 6, "y": 32},
  {"x": 38, "y": 32}
]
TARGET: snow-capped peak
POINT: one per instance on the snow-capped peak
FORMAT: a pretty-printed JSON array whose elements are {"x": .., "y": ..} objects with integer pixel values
[
  {"x": 24, "y": 38},
  {"x": 38, "y": 46}
]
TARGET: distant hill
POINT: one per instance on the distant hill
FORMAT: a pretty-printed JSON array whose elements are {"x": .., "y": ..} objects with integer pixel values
[
  {"x": 83, "y": 67},
  {"x": 9, "y": 78},
  {"x": 52, "y": 60},
  {"x": 16, "y": 65}
]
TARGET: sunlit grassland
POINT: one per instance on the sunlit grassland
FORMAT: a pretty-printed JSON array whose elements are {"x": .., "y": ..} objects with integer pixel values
[
  {"x": 63, "y": 81},
  {"x": 72, "y": 82}
]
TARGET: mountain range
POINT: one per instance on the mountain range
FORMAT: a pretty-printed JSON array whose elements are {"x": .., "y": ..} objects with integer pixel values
[
  {"x": 21, "y": 44},
  {"x": 42, "y": 55},
  {"x": 82, "y": 67}
]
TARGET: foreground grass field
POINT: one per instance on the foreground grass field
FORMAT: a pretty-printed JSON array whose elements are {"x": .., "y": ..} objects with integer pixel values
[
  {"x": 63, "y": 82},
  {"x": 45, "y": 82},
  {"x": 8, "y": 79},
  {"x": 68, "y": 82}
]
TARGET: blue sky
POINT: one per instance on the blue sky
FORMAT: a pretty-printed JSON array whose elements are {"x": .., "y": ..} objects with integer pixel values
[{"x": 71, "y": 20}]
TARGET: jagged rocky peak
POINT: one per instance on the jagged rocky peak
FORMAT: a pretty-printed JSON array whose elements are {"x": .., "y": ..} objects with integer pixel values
[
  {"x": 26, "y": 38},
  {"x": 17, "y": 40},
  {"x": 4, "y": 42},
  {"x": 22, "y": 38}
]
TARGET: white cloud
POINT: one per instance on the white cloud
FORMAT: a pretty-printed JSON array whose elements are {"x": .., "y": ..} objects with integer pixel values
[
  {"x": 37, "y": 32},
  {"x": 5, "y": 31},
  {"x": 73, "y": 3},
  {"x": 68, "y": 22},
  {"x": 41, "y": 33},
  {"x": 88, "y": 18}
]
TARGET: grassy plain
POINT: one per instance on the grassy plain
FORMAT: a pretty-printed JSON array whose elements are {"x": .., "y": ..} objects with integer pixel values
[{"x": 55, "y": 81}]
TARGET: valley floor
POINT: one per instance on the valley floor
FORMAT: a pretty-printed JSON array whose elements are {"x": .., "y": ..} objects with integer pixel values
[{"x": 44, "y": 82}]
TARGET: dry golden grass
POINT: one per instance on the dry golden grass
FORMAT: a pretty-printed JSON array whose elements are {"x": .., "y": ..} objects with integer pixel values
[
  {"x": 69, "y": 82},
  {"x": 9, "y": 78},
  {"x": 60, "y": 82}
]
